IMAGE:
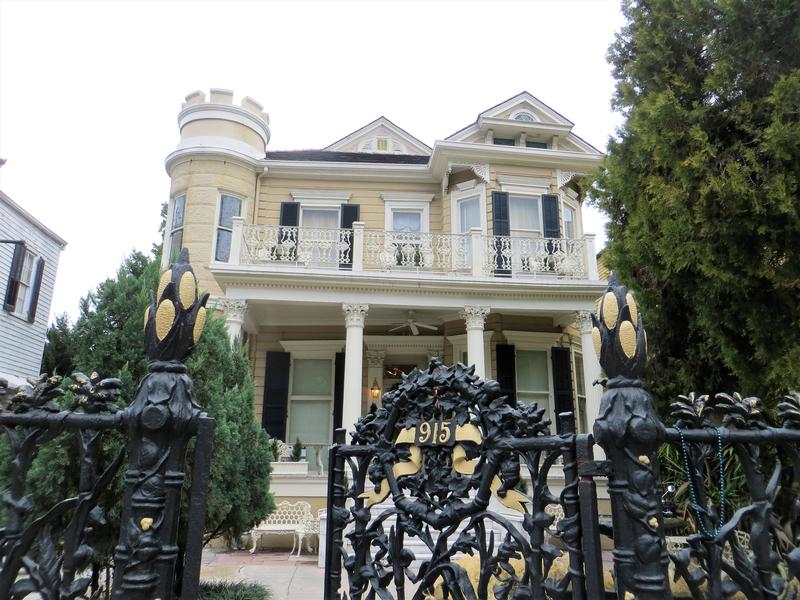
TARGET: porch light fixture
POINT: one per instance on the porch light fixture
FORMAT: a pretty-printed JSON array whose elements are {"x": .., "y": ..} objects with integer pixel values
[{"x": 375, "y": 390}]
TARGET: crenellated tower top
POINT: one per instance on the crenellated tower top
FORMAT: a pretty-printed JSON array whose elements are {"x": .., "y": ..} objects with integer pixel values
[{"x": 217, "y": 123}]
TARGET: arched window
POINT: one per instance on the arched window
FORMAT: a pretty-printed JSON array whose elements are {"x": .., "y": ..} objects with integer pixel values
[{"x": 524, "y": 116}]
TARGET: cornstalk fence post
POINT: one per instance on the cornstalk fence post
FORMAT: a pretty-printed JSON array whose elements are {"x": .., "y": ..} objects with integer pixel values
[{"x": 630, "y": 433}]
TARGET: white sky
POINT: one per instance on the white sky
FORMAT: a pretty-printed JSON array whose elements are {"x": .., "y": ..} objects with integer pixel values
[{"x": 90, "y": 92}]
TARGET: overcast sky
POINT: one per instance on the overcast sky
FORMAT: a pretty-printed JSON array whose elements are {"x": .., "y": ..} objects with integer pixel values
[{"x": 90, "y": 92}]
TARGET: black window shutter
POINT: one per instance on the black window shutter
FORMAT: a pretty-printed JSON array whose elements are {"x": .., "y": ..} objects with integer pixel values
[
  {"x": 37, "y": 284},
  {"x": 338, "y": 390},
  {"x": 507, "y": 370},
  {"x": 290, "y": 214},
  {"x": 290, "y": 217},
  {"x": 349, "y": 214},
  {"x": 552, "y": 228},
  {"x": 276, "y": 395},
  {"x": 562, "y": 384},
  {"x": 501, "y": 225},
  {"x": 13, "y": 277}
]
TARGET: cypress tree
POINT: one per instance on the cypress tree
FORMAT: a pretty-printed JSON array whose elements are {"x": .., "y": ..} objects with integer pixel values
[{"x": 702, "y": 189}]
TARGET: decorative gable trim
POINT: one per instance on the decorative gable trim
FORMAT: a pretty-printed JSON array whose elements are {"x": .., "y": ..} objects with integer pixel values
[{"x": 412, "y": 142}]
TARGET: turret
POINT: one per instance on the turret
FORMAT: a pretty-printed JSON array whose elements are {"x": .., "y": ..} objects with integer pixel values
[{"x": 214, "y": 171}]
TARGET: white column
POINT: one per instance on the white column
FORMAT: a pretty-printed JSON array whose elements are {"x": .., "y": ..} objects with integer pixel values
[
  {"x": 375, "y": 360},
  {"x": 234, "y": 315},
  {"x": 475, "y": 317},
  {"x": 237, "y": 238},
  {"x": 354, "y": 349},
  {"x": 591, "y": 373}
]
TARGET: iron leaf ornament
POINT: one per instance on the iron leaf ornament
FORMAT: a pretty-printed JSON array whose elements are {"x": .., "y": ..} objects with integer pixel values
[{"x": 175, "y": 318}]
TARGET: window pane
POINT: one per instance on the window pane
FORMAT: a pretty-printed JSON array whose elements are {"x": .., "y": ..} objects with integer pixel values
[
  {"x": 579, "y": 375},
  {"x": 310, "y": 421},
  {"x": 532, "y": 371},
  {"x": 177, "y": 212},
  {"x": 536, "y": 145},
  {"x": 503, "y": 141},
  {"x": 27, "y": 268},
  {"x": 175, "y": 244},
  {"x": 223, "y": 245},
  {"x": 406, "y": 221},
  {"x": 569, "y": 222},
  {"x": 230, "y": 207},
  {"x": 470, "y": 214},
  {"x": 320, "y": 218},
  {"x": 524, "y": 212},
  {"x": 312, "y": 377},
  {"x": 22, "y": 297}
]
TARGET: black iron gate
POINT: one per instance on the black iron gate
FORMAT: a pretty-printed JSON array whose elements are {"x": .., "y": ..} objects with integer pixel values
[
  {"x": 426, "y": 500},
  {"x": 51, "y": 554}
]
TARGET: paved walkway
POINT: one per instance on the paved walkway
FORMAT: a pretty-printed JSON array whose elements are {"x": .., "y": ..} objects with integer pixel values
[{"x": 288, "y": 579}]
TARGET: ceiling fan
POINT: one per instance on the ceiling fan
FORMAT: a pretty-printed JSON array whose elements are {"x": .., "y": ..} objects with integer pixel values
[{"x": 413, "y": 325}]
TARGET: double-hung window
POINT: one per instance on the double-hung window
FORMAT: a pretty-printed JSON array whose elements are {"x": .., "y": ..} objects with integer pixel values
[
  {"x": 533, "y": 378},
  {"x": 24, "y": 282},
  {"x": 580, "y": 394},
  {"x": 176, "y": 227},
  {"x": 311, "y": 405},
  {"x": 568, "y": 216},
  {"x": 229, "y": 207}
]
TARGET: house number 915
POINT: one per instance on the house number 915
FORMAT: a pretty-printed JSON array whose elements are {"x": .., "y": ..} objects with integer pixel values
[{"x": 435, "y": 433}]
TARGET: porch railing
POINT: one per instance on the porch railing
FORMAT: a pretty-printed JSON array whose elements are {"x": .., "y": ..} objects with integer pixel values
[{"x": 473, "y": 253}]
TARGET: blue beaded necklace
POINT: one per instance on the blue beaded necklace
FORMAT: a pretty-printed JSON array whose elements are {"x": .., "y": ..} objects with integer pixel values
[{"x": 693, "y": 492}]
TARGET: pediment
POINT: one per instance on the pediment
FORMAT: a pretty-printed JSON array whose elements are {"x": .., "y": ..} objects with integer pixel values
[
  {"x": 525, "y": 107},
  {"x": 381, "y": 136}
]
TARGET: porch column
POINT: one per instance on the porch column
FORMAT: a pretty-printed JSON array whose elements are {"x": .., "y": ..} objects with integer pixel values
[
  {"x": 475, "y": 317},
  {"x": 234, "y": 315},
  {"x": 591, "y": 373},
  {"x": 375, "y": 360},
  {"x": 354, "y": 349}
]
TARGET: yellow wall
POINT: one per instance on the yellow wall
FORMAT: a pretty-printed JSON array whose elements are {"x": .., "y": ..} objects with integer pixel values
[
  {"x": 366, "y": 194},
  {"x": 202, "y": 181}
]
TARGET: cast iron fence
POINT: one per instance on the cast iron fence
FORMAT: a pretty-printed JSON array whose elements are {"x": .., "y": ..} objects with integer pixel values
[
  {"x": 50, "y": 554},
  {"x": 420, "y": 500}
]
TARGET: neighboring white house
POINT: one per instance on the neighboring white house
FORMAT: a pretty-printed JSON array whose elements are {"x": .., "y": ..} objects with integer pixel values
[{"x": 29, "y": 255}]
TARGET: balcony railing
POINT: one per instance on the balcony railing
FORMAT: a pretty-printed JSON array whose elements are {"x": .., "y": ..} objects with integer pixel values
[{"x": 358, "y": 249}]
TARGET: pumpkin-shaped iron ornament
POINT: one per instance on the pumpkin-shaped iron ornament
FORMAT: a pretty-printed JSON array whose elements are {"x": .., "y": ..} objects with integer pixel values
[
  {"x": 173, "y": 323},
  {"x": 619, "y": 336}
]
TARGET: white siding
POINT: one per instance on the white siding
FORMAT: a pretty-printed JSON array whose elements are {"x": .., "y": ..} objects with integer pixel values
[{"x": 22, "y": 343}]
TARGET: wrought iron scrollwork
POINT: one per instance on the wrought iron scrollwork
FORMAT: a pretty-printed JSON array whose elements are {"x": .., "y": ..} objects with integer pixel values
[
  {"x": 49, "y": 553},
  {"x": 447, "y": 448},
  {"x": 55, "y": 561},
  {"x": 757, "y": 550}
]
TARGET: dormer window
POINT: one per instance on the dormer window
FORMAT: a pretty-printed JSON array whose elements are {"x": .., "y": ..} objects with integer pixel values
[{"x": 524, "y": 116}]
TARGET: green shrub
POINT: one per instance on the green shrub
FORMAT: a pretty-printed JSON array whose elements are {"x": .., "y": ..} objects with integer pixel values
[{"x": 223, "y": 590}]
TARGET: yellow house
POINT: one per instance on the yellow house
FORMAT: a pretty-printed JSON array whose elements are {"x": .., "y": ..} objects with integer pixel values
[{"x": 346, "y": 266}]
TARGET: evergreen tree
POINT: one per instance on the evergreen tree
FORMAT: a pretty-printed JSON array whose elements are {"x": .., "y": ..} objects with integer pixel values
[
  {"x": 60, "y": 348},
  {"x": 702, "y": 189},
  {"x": 108, "y": 338}
]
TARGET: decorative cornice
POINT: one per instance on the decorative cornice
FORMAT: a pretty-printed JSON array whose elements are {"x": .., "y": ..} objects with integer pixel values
[
  {"x": 481, "y": 170},
  {"x": 475, "y": 316},
  {"x": 584, "y": 321},
  {"x": 375, "y": 358},
  {"x": 355, "y": 314},
  {"x": 234, "y": 309},
  {"x": 564, "y": 177}
]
